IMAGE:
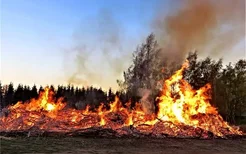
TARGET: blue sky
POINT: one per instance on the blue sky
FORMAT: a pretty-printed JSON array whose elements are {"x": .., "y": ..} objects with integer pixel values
[{"x": 35, "y": 33}]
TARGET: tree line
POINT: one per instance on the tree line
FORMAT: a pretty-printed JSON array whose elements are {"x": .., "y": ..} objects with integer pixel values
[
  {"x": 75, "y": 97},
  {"x": 149, "y": 68}
]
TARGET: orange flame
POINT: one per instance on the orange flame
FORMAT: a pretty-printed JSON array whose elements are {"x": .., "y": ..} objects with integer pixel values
[{"x": 179, "y": 107}]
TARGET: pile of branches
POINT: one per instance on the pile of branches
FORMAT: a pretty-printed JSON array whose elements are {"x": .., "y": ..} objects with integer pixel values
[{"x": 124, "y": 132}]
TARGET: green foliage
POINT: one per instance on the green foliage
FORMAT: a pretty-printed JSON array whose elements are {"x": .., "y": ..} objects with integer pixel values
[
  {"x": 145, "y": 71},
  {"x": 231, "y": 90},
  {"x": 149, "y": 68},
  {"x": 9, "y": 95},
  {"x": 201, "y": 72}
]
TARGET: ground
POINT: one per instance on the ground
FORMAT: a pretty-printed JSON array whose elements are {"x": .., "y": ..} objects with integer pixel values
[{"x": 120, "y": 145}]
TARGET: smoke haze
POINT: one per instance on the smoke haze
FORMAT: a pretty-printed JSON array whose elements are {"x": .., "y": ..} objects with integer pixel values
[
  {"x": 147, "y": 105},
  {"x": 104, "y": 49},
  {"x": 211, "y": 27}
]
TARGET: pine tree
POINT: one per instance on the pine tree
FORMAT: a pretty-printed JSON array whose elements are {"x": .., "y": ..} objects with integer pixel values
[
  {"x": 41, "y": 89},
  {"x": 26, "y": 93},
  {"x": 60, "y": 91},
  {"x": 110, "y": 95},
  {"x": 34, "y": 92},
  {"x": 1, "y": 96},
  {"x": 8, "y": 98},
  {"x": 19, "y": 94}
]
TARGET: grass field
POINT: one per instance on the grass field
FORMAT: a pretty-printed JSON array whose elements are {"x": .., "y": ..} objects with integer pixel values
[{"x": 118, "y": 146}]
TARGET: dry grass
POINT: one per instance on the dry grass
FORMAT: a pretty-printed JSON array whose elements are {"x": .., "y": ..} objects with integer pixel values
[{"x": 129, "y": 146}]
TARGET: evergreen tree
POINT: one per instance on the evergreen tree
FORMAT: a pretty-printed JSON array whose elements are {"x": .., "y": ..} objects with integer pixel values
[
  {"x": 1, "y": 96},
  {"x": 41, "y": 89},
  {"x": 110, "y": 95},
  {"x": 9, "y": 95},
  {"x": 34, "y": 92},
  {"x": 19, "y": 94},
  {"x": 26, "y": 93},
  {"x": 52, "y": 88},
  {"x": 60, "y": 91}
]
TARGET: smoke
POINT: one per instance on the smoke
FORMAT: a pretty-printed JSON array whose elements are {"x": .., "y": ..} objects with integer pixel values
[
  {"x": 98, "y": 54},
  {"x": 211, "y": 27},
  {"x": 147, "y": 105}
]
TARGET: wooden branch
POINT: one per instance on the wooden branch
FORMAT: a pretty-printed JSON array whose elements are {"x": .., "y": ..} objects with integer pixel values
[{"x": 106, "y": 132}]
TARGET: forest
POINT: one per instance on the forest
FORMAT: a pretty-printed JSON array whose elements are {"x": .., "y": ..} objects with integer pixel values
[{"x": 144, "y": 78}]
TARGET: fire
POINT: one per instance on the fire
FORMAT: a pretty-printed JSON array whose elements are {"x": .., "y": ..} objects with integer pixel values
[{"x": 182, "y": 111}]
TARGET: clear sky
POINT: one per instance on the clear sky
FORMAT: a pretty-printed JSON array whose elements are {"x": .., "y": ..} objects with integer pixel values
[{"x": 35, "y": 33}]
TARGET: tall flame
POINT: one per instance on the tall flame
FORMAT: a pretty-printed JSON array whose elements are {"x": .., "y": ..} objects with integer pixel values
[{"x": 181, "y": 111}]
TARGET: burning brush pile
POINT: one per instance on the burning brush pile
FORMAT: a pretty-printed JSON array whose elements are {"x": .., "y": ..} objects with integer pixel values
[{"x": 182, "y": 112}]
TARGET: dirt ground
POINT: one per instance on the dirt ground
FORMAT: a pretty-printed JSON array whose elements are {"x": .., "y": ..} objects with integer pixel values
[{"x": 121, "y": 145}]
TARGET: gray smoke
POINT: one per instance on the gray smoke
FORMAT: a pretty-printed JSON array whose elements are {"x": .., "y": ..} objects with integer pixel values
[
  {"x": 147, "y": 104},
  {"x": 103, "y": 59},
  {"x": 211, "y": 27}
]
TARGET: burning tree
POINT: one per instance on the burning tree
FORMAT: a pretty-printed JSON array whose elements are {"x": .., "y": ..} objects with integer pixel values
[
  {"x": 182, "y": 112},
  {"x": 144, "y": 78}
]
